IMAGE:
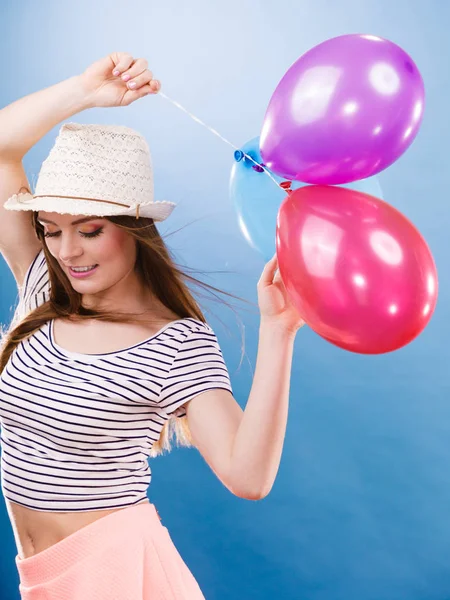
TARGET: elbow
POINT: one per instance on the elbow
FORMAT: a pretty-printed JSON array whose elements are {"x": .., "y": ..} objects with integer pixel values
[{"x": 253, "y": 494}]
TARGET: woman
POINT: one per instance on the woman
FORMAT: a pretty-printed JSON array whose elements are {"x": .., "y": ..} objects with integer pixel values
[{"x": 99, "y": 368}]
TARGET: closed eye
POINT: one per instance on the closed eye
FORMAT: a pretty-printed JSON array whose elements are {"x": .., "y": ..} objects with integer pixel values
[{"x": 88, "y": 235}]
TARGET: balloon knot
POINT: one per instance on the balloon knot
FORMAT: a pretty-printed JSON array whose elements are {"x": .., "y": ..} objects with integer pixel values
[
  {"x": 258, "y": 168},
  {"x": 286, "y": 185}
]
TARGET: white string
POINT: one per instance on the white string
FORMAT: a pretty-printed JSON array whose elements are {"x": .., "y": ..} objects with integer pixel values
[{"x": 178, "y": 105}]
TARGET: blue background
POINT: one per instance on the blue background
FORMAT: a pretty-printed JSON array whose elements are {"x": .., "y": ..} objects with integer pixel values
[{"x": 360, "y": 507}]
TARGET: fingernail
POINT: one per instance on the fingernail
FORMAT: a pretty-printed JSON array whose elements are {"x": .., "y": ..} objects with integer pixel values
[
  {"x": 132, "y": 84},
  {"x": 116, "y": 72},
  {"x": 126, "y": 77}
]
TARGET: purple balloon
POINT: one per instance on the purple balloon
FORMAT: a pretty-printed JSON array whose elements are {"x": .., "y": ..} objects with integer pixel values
[{"x": 344, "y": 111}]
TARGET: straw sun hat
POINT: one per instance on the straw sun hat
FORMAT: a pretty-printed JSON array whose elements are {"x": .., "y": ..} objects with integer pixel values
[{"x": 97, "y": 170}]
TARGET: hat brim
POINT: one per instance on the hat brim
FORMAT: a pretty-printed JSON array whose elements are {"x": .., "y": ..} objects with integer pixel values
[{"x": 156, "y": 210}]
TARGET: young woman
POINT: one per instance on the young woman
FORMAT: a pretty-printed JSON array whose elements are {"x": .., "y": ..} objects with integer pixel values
[{"x": 109, "y": 354}]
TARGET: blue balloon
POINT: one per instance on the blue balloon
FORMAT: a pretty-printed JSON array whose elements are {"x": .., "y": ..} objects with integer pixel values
[{"x": 257, "y": 199}]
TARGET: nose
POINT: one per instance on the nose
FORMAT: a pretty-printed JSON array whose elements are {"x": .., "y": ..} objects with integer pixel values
[{"x": 70, "y": 248}]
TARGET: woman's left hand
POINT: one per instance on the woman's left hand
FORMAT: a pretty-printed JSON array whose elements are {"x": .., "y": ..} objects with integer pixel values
[{"x": 274, "y": 303}]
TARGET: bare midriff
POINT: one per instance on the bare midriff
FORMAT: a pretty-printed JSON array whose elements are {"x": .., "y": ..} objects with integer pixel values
[{"x": 35, "y": 530}]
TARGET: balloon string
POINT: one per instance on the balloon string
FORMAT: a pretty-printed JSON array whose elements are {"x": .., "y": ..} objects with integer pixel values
[{"x": 215, "y": 132}]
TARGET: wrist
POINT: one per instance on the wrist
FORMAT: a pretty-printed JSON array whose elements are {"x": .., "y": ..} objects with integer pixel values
[
  {"x": 276, "y": 329},
  {"x": 82, "y": 97}
]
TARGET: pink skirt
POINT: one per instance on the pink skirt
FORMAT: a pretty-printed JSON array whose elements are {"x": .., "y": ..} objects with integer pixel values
[{"x": 126, "y": 555}]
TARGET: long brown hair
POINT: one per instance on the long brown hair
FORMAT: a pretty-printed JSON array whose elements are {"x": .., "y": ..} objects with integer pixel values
[{"x": 158, "y": 272}]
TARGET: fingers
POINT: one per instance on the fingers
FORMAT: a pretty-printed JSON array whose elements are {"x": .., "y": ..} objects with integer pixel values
[
  {"x": 123, "y": 62},
  {"x": 136, "y": 75},
  {"x": 132, "y": 95}
]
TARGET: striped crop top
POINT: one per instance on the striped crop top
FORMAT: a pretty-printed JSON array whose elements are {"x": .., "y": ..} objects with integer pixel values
[{"x": 77, "y": 429}]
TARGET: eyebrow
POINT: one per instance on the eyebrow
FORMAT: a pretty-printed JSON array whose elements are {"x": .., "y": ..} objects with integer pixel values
[{"x": 73, "y": 222}]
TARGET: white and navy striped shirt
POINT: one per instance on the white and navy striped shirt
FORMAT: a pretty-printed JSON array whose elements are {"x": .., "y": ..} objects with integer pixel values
[{"x": 77, "y": 429}]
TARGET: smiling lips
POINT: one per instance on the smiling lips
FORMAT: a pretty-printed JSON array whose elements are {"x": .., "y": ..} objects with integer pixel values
[
  {"x": 82, "y": 272},
  {"x": 90, "y": 267}
]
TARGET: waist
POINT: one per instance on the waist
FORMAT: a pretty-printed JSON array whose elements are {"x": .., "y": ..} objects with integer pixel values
[{"x": 37, "y": 530}]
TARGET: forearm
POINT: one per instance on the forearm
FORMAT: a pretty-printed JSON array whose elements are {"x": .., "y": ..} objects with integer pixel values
[
  {"x": 24, "y": 122},
  {"x": 258, "y": 444}
]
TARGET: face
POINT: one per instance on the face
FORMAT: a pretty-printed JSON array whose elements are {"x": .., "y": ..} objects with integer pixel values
[{"x": 96, "y": 241}]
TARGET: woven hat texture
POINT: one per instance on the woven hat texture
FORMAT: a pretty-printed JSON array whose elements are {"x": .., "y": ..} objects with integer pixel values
[{"x": 91, "y": 167}]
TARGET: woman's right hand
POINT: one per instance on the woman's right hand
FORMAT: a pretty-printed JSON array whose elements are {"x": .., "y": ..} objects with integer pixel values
[{"x": 103, "y": 88}]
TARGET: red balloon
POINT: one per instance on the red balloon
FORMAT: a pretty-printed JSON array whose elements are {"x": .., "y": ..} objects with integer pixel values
[{"x": 358, "y": 271}]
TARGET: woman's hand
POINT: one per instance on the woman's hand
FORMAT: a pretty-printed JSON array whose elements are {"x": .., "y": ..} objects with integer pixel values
[
  {"x": 274, "y": 303},
  {"x": 133, "y": 81}
]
